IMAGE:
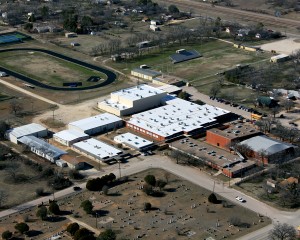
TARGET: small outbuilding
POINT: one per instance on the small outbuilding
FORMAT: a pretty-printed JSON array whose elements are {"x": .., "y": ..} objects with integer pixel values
[
  {"x": 69, "y": 137},
  {"x": 73, "y": 162},
  {"x": 279, "y": 58},
  {"x": 32, "y": 129}
]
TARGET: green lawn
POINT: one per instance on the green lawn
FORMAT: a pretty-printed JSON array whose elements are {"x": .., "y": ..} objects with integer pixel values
[
  {"x": 47, "y": 69},
  {"x": 217, "y": 56}
]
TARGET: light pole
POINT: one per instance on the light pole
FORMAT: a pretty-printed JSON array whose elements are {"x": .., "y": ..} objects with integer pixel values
[
  {"x": 119, "y": 168},
  {"x": 96, "y": 220}
]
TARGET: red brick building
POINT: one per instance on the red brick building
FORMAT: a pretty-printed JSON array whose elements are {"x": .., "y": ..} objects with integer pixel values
[{"x": 224, "y": 136}]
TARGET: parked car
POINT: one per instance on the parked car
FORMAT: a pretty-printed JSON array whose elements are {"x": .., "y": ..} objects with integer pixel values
[{"x": 240, "y": 199}]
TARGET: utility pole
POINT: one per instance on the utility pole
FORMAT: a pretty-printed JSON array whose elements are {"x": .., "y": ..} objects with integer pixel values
[
  {"x": 119, "y": 168},
  {"x": 214, "y": 187}
]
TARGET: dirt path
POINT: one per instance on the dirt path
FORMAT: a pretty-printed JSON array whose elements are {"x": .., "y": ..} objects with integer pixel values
[
  {"x": 96, "y": 231},
  {"x": 28, "y": 92}
]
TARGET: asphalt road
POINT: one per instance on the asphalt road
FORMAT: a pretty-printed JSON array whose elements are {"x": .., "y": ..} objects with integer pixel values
[
  {"x": 193, "y": 175},
  {"x": 111, "y": 76}
]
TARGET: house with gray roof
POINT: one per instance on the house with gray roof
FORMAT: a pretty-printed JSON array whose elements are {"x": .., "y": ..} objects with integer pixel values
[{"x": 269, "y": 150}]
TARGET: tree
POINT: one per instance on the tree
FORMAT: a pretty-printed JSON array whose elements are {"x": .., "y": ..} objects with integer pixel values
[
  {"x": 275, "y": 110},
  {"x": 42, "y": 212},
  {"x": 6, "y": 235},
  {"x": 54, "y": 208},
  {"x": 184, "y": 95},
  {"x": 147, "y": 206},
  {"x": 22, "y": 227},
  {"x": 28, "y": 26},
  {"x": 212, "y": 198},
  {"x": 161, "y": 184},
  {"x": 16, "y": 107},
  {"x": 283, "y": 231},
  {"x": 40, "y": 191},
  {"x": 215, "y": 90},
  {"x": 3, "y": 128},
  {"x": 44, "y": 12},
  {"x": 72, "y": 228},
  {"x": 150, "y": 179},
  {"x": 82, "y": 232},
  {"x": 87, "y": 206},
  {"x": 108, "y": 234},
  {"x": 173, "y": 9}
]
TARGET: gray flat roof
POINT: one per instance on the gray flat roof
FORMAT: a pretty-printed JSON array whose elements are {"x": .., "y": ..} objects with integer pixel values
[
  {"x": 185, "y": 56},
  {"x": 41, "y": 145},
  {"x": 26, "y": 130},
  {"x": 133, "y": 140}
]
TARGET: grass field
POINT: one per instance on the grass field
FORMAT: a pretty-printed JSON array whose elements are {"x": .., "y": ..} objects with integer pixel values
[
  {"x": 217, "y": 56},
  {"x": 47, "y": 69}
]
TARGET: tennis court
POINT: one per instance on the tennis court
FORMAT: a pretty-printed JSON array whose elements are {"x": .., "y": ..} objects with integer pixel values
[{"x": 12, "y": 37}]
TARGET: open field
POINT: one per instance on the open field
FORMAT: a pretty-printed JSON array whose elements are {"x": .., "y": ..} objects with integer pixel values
[
  {"x": 30, "y": 105},
  {"x": 217, "y": 56},
  {"x": 47, "y": 69}
]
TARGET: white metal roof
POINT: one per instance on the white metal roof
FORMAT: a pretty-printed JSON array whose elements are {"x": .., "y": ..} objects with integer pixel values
[
  {"x": 26, "y": 130},
  {"x": 138, "y": 92},
  {"x": 70, "y": 135},
  {"x": 264, "y": 143},
  {"x": 279, "y": 56},
  {"x": 177, "y": 116},
  {"x": 97, "y": 148},
  {"x": 132, "y": 140},
  {"x": 96, "y": 121}
]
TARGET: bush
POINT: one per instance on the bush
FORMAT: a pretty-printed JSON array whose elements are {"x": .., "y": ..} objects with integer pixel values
[
  {"x": 75, "y": 174},
  {"x": 147, "y": 189},
  {"x": 150, "y": 179},
  {"x": 54, "y": 208},
  {"x": 147, "y": 206},
  {"x": 213, "y": 199},
  {"x": 107, "y": 235},
  {"x": 42, "y": 212},
  {"x": 40, "y": 191},
  {"x": 87, "y": 206},
  {"x": 22, "y": 227},
  {"x": 72, "y": 228},
  {"x": 6, "y": 235},
  {"x": 161, "y": 184}
]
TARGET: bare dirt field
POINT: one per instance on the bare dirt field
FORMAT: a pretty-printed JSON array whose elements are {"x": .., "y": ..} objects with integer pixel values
[
  {"x": 285, "y": 46},
  {"x": 30, "y": 105}
]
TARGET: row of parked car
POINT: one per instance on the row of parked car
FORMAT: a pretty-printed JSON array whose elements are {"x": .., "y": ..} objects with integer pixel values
[{"x": 221, "y": 100}]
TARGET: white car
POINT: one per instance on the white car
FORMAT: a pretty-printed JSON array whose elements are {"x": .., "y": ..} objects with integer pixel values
[{"x": 240, "y": 199}]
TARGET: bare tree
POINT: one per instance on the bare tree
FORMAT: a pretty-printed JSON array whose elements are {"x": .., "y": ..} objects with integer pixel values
[
  {"x": 283, "y": 231},
  {"x": 275, "y": 110},
  {"x": 16, "y": 107},
  {"x": 288, "y": 104},
  {"x": 215, "y": 90}
]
